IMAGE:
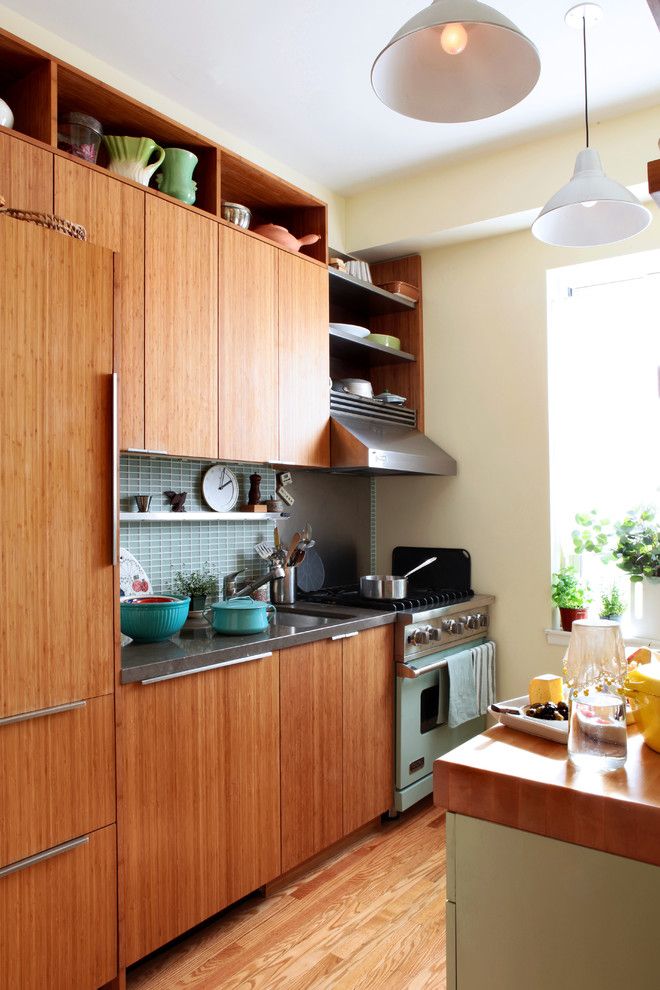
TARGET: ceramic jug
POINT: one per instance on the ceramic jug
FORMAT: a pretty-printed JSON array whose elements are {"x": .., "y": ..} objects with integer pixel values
[
  {"x": 175, "y": 177},
  {"x": 129, "y": 156},
  {"x": 6, "y": 116}
]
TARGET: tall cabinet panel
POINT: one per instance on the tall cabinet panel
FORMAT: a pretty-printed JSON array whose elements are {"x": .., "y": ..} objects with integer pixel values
[
  {"x": 56, "y": 326},
  {"x": 304, "y": 362},
  {"x": 181, "y": 331},
  {"x": 113, "y": 214},
  {"x": 26, "y": 175},
  {"x": 248, "y": 348}
]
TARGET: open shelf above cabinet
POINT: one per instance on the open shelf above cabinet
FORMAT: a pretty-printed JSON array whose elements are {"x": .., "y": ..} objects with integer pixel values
[
  {"x": 177, "y": 517},
  {"x": 344, "y": 345},
  {"x": 363, "y": 297}
]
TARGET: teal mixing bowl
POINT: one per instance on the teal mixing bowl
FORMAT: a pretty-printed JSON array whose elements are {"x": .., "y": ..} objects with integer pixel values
[{"x": 153, "y": 618}]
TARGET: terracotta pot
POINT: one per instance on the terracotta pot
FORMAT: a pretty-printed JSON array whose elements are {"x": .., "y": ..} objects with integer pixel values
[
  {"x": 284, "y": 238},
  {"x": 569, "y": 615}
]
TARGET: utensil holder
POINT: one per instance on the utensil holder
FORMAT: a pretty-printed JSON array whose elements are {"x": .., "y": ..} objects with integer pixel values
[
  {"x": 143, "y": 502},
  {"x": 283, "y": 590}
]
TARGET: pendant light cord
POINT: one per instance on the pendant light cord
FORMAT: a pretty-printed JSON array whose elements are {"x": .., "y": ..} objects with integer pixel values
[{"x": 586, "y": 98}]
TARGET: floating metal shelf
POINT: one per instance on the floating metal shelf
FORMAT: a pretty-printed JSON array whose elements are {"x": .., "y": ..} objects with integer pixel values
[
  {"x": 364, "y": 297},
  {"x": 160, "y": 517}
]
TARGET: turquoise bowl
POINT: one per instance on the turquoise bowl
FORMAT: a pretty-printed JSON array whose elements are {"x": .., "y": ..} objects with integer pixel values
[{"x": 148, "y": 621}]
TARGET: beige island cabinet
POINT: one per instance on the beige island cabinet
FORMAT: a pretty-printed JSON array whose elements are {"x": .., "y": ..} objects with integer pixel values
[{"x": 553, "y": 874}]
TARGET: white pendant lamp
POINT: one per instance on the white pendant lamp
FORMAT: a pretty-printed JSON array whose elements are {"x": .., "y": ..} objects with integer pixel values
[
  {"x": 590, "y": 209},
  {"x": 456, "y": 60}
]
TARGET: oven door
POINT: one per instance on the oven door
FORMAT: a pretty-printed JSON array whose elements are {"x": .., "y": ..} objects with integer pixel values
[{"x": 422, "y": 732}]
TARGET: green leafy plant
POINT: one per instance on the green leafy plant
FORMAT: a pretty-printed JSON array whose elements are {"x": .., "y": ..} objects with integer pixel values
[
  {"x": 633, "y": 543},
  {"x": 568, "y": 590},
  {"x": 612, "y": 604},
  {"x": 197, "y": 584}
]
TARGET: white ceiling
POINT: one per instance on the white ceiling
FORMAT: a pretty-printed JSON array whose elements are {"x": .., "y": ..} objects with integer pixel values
[{"x": 292, "y": 77}]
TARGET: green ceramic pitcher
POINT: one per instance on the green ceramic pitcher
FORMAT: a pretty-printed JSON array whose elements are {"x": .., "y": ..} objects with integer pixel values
[
  {"x": 129, "y": 156},
  {"x": 175, "y": 177}
]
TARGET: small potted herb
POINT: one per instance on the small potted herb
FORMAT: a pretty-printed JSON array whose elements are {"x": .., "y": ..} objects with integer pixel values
[
  {"x": 571, "y": 596},
  {"x": 198, "y": 585},
  {"x": 612, "y": 606}
]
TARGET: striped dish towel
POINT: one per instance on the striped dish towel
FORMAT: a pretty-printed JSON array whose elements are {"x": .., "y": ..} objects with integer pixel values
[{"x": 483, "y": 665}]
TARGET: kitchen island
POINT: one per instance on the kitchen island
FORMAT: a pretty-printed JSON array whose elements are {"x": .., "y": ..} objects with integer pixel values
[{"x": 553, "y": 874}]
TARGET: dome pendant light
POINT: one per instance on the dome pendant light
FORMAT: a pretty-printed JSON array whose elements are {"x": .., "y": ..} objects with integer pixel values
[
  {"x": 590, "y": 209},
  {"x": 456, "y": 60}
]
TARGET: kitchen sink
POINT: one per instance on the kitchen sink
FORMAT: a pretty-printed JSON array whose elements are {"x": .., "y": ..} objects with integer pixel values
[{"x": 303, "y": 620}]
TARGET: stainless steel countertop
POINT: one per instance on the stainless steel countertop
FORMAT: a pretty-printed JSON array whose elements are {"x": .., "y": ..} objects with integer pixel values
[{"x": 196, "y": 648}]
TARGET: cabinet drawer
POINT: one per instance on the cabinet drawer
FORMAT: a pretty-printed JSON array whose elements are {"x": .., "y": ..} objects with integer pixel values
[
  {"x": 58, "y": 776},
  {"x": 58, "y": 917}
]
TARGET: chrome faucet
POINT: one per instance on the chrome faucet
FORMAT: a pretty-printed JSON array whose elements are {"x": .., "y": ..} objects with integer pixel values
[{"x": 275, "y": 572}]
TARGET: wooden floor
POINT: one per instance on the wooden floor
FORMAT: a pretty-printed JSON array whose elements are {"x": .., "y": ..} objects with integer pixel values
[{"x": 370, "y": 917}]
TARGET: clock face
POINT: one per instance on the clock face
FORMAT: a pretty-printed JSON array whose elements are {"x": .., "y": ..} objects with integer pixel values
[{"x": 220, "y": 488}]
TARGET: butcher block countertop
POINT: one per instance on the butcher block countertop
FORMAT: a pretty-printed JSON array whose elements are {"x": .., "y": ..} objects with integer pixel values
[{"x": 509, "y": 778}]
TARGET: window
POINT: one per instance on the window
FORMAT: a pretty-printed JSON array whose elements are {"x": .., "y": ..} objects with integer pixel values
[{"x": 604, "y": 399}]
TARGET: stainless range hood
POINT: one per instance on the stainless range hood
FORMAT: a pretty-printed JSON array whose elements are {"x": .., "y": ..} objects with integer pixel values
[{"x": 368, "y": 445}]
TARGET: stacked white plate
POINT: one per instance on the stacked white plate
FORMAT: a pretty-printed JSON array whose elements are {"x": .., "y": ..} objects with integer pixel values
[{"x": 351, "y": 328}]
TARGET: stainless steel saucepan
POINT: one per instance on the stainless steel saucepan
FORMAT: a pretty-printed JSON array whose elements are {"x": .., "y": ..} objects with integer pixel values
[{"x": 389, "y": 586}]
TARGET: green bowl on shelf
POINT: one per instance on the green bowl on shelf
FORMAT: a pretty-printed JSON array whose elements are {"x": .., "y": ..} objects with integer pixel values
[
  {"x": 385, "y": 340},
  {"x": 153, "y": 618}
]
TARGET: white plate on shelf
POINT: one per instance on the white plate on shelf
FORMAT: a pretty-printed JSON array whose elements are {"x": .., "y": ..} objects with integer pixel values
[
  {"x": 554, "y": 731},
  {"x": 351, "y": 328}
]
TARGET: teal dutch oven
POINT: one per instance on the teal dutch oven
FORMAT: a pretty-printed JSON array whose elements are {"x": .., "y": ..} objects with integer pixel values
[{"x": 239, "y": 616}]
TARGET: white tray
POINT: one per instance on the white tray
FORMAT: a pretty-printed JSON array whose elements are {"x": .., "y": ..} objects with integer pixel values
[{"x": 554, "y": 731}]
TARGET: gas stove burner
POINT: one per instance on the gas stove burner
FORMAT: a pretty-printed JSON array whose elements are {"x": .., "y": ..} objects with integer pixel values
[{"x": 419, "y": 599}]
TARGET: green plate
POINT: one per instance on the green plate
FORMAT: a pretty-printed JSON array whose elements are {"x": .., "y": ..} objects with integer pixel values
[{"x": 385, "y": 340}]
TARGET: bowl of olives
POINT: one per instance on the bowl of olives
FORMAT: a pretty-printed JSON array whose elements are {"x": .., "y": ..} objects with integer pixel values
[{"x": 548, "y": 711}]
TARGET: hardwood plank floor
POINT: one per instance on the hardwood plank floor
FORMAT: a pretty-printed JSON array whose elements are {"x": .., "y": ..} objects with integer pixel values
[{"x": 371, "y": 916}]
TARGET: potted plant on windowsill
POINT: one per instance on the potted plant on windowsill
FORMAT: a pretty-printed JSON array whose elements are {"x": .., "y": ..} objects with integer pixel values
[
  {"x": 198, "y": 585},
  {"x": 633, "y": 544},
  {"x": 571, "y": 596},
  {"x": 612, "y": 605}
]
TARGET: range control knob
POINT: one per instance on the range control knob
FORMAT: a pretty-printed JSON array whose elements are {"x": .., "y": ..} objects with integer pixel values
[
  {"x": 448, "y": 625},
  {"x": 483, "y": 618},
  {"x": 435, "y": 634},
  {"x": 458, "y": 628},
  {"x": 419, "y": 637},
  {"x": 472, "y": 622}
]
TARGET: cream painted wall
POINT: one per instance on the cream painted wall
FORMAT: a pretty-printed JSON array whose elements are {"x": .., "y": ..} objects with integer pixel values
[
  {"x": 55, "y": 45},
  {"x": 486, "y": 403}
]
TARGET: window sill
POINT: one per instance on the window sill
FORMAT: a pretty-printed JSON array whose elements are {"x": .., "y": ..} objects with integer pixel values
[{"x": 557, "y": 637}]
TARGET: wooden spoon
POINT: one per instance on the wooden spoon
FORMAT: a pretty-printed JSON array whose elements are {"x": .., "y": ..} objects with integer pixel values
[{"x": 295, "y": 540}]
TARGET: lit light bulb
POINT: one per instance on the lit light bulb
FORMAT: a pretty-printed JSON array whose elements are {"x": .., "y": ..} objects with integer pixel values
[
  {"x": 453, "y": 39},
  {"x": 589, "y": 203}
]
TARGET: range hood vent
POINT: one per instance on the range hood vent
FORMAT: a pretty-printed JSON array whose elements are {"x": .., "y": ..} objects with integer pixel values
[{"x": 376, "y": 444}]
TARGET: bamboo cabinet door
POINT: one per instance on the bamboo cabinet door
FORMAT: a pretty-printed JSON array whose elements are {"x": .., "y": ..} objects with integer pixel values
[
  {"x": 26, "y": 175},
  {"x": 56, "y": 326},
  {"x": 311, "y": 720},
  {"x": 181, "y": 331},
  {"x": 248, "y": 349},
  {"x": 368, "y": 675},
  {"x": 304, "y": 362},
  {"x": 201, "y": 798},
  {"x": 113, "y": 215}
]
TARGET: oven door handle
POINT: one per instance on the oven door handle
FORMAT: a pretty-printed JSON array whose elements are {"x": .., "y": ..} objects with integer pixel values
[{"x": 403, "y": 670}]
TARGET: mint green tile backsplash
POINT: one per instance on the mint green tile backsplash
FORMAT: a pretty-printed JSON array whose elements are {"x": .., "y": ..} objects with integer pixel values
[{"x": 163, "y": 548}]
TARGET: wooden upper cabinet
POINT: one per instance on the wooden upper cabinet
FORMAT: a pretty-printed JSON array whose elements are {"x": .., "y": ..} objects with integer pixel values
[
  {"x": 248, "y": 364},
  {"x": 181, "y": 331},
  {"x": 304, "y": 362},
  {"x": 311, "y": 733},
  {"x": 368, "y": 728},
  {"x": 200, "y": 770},
  {"x": 56, "y": 327},
  {"x": 113, "y": 214},
  {"x": 26, "y": 175}
]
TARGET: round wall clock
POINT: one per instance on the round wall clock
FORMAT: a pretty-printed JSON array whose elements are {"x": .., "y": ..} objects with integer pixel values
[{"x": 220, "y": 488}]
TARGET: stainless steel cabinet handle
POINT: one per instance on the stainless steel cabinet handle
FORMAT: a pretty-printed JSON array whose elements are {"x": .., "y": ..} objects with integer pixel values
[
  {"x": 22, "y": 864},
  {"x": 42, "y": 712},
  {"x": 144, "y": 450},
  {"x": 345, "y": 635},
  {"x": 115, "y": 467},
  {"x": 200, "y": 670}
]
